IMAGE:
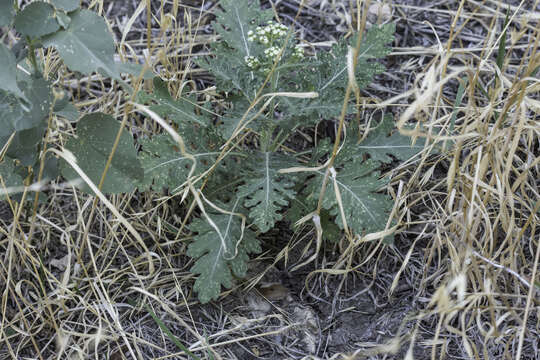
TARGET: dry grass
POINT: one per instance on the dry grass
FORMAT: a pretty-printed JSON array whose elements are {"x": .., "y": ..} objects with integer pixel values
[{"x": 76, "y": 284}]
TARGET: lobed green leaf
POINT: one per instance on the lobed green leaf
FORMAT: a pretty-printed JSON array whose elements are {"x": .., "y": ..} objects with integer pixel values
[
  {"x": 265, "y": 190},
  {"x": 221, "y": 251}
]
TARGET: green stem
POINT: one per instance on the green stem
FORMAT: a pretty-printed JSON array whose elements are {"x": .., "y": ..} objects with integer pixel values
[{"x": 32, "y": 54}]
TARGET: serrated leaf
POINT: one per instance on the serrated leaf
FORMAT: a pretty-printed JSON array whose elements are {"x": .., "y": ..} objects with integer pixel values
[
  {"x": 165, "y": 166},
  {"x": 8, "y": 78},
  {"x": 267, "y": 191},
  {"x": 86, "y": 45},
  {"x": 229, "y": 121},
  {"x": 96, "y": 134},
  {"x": 379, "y": 145},
  {"x": 7, "y": 12},
  {"x": 365, "y": 210},
  {"x": 327, "y": 75},
  {"x": 66, "y": 5},
  {"x": 36, "y": 20},
  {"x": 220, "y": 253},
  {"x": 234, "y": 21},
  {"x": 9, "y": 177},
  {"x": 180, "y": 111}
]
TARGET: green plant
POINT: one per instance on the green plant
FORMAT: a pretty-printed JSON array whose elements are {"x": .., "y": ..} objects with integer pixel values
[
  {"x": 29, "y": 100},
  {"x": 271, "y": 89}
]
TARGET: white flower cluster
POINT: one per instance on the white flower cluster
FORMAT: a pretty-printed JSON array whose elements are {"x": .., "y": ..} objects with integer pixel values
[
  {"x": 252, "y": 61},
  {"x": 266, "y": 34},
  {"x": 298, "y": 52},
  {"x": 272, "y": 52}
]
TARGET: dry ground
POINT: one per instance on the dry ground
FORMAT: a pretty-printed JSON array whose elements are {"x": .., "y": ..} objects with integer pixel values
[{"x": 460, "y": 281}]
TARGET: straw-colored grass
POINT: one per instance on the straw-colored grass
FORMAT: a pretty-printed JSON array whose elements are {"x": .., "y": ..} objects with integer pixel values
[{"x": 460, "y": 281}]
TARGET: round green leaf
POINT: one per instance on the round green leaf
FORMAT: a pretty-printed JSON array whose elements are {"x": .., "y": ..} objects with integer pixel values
[
  {"x": 36, "y": 20},
  {"x": 7, "y": 12},
  {"x": 66, "y": 5},
  {"x": 86, "y": 45},
  {"x": 96, "y": 134},
  {"x": 8, "y": 79}
]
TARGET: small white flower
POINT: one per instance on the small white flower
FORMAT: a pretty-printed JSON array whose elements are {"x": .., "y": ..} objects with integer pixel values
[
  {"x": 298, "y": 52},
  {"x": 251, "y": 61}
]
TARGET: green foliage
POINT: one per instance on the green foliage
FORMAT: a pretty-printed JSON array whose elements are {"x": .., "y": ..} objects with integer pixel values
[
  {"x": 357, "y": 183},
  {"x": 380, "y": 144},
  {"x": 8, "y": 177},
  {"x": 96, "y": 134},
  {"x": 180, "y": 111},
  {"x": 233, "y": 23},
  {"x": 7, "y": 12},
  {"x": 36, "y": 20},
  {"x": 326, "y": 73},
  {"x": 164, "y": 165},
  {"x": 266, "y": 191},
  {"x": 251, "y": 45},
  {"x": 26, "y": 98},
  {"x": 86, "y": 45},
  {"x": 253, "y": 51},
  {"x": 16, "y": 114},
  {"x": 8, "y": 79},
  {"x": 65, "y": 5},
  {"x": 222, "y": 250}
]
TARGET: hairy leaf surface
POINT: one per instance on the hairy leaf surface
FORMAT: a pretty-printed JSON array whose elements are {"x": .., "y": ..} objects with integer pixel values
[
  {"x": 221, "y": 251},
  {"x": 233, "y": 21},
  {"x": 357, "y": 183},
  {"x": 327, "y": 75},
  {"x": 266, "y": 190},
  {"x": 166, "y": 167}
]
